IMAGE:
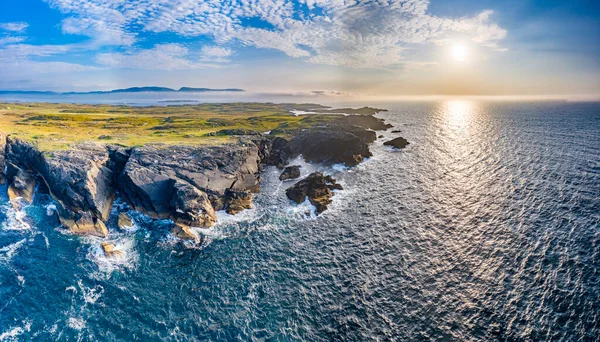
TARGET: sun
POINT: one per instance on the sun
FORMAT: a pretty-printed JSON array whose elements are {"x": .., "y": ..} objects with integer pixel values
[{"x": 459, "y": 52}]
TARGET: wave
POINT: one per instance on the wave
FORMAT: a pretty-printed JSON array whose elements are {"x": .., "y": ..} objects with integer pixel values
[
  {"x": 7, "y": 252},
  {"x": 14, "y": 333}
]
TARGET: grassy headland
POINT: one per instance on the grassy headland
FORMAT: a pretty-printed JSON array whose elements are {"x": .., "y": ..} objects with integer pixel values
[{"x": 58, "y": 126}]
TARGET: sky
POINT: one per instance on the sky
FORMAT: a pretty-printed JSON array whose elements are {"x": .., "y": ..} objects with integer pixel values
[{"x": 336, "y": 47}]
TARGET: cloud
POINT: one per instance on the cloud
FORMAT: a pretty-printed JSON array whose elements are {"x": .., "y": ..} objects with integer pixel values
[
  {"x": 340, "y": 32},
  {"x": 11, "y": 40},
  {"x": 161, "y": 57},
  {"x": 215, "y": 51},
  {"x": 17, "y": 27}
]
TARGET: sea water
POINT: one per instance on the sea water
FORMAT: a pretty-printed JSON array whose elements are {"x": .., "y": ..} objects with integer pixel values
[{"x": 486, "y": 227}]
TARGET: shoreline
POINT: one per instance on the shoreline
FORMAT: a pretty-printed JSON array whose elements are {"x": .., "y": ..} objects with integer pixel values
[{"x": 187, "y": 184}]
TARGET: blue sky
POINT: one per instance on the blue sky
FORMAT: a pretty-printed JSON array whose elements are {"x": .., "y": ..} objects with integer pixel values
[{"x": 386, "y": 47}]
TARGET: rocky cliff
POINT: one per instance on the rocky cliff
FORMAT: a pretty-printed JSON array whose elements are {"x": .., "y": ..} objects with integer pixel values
[{"x": 186, "y": 184}]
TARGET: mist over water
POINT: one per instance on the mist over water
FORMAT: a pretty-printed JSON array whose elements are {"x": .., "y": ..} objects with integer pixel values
[{"x": 486, "y": 227}]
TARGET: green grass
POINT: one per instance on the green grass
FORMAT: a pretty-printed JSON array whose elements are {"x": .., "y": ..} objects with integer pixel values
[{"x": 59, "y": 126}]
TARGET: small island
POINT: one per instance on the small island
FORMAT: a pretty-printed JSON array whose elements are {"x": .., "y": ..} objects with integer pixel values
[{"x": 182, "y": 163}]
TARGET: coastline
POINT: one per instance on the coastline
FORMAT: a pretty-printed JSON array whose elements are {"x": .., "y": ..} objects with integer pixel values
[{"x": 186, "y": 183}]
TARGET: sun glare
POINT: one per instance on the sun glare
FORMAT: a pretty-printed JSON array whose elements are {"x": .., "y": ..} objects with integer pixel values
[{"x": 459, "y": 52}]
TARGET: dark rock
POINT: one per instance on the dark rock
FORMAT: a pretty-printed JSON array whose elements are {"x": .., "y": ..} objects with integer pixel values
[
  {"x": 187, "y": 184},
  {"x": 191, "y": 206},
  {"x": 290, "y": 172},
  {"x": 22, "y": 186},
  {"x": 81, "y": 180},
  {"x": 363, "y": 121},
  {"x": 317, "y": 188},
  {"x": 2, "y": 159},
  {"x": 86, "y": 224},
  {"x": 274, "y": 151},
  {"x": 333, "y": 144},
  {"x": 397, "y": 131},
  {"x": 397, "y": 143},
  {"x": 380, "y": 136}
]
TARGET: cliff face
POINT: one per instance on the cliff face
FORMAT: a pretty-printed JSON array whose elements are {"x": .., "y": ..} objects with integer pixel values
[
  {"x": 81, "y": 180},
  {"x": 2, "y": 160},
  {"x": 186, "y": 184}
]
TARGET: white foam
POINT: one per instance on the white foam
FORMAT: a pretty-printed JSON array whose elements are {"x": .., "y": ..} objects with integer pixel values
[
  {"x": 50, "y": 209},
  {"x": 76, "y": 323},
  {"x": 123, "y": 242},
  {"x": 7, "y": 252},
  {"x": 13, "y": 333},
  {"x": 15, "y": 220},
  {"x": 248, "y": 215},
  {"x": 304, "y": 211}
]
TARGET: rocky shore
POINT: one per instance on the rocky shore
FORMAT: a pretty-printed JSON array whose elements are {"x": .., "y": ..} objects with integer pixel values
[{"x": 186, "y": 184}]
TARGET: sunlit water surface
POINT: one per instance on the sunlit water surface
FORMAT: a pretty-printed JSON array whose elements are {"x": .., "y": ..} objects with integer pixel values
[{"x": 485, "y": 228}]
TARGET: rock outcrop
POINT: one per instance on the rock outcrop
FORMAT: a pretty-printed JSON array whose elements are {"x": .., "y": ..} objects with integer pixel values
[
  {"x": 81, "y": 180},
  {"x": 290, "y": 172},
  {"x": 274, "y": 151},
  {"x": 317, "y": 188},
  {"x": 22, "y": 186},
  {"x": 188, "y": 184},
  {"x": 397, "y": 143},
  {"x": 2, "y": 159},
  {"x": 110, "y": 251},
  {"x": 124, "y": 221},
  {"x": 186, "y": 233},
  {"x": 333, "y": 144}
]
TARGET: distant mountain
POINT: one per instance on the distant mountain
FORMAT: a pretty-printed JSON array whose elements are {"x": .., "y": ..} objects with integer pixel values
[{"x": 125, "y": 90}]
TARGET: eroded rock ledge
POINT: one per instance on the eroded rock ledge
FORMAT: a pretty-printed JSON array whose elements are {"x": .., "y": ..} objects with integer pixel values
[{"x": 186, "y": 184}]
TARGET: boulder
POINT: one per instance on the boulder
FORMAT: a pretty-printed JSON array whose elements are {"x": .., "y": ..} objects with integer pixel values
[
  {"x": 124, "y": 221},
  {"x": 317, "y": 188},
  {"x": 236, "y": 201},
  {"x": 397, "y": 143},
  {"x": 86, "y": 224},
  {"x": 110, "y": 251},
  {"x": 184, "y": 232},
  {"x": 192, "y": 206},
  {"x": 290, "y": 172}
]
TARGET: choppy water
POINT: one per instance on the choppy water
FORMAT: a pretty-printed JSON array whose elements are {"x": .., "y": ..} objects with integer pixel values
[{"x": 485, "y": 228}]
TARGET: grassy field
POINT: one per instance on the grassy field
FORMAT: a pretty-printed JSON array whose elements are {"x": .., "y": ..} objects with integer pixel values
[{"x": 58, "y": 126}]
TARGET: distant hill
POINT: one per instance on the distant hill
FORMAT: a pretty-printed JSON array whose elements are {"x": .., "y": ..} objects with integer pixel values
[{"x": 125, "y": 90}]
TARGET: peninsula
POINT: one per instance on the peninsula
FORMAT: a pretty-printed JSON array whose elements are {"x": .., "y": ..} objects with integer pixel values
[{"x": 183, "y": 162}]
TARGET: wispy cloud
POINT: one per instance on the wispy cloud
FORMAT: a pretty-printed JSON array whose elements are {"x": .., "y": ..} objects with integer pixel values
[
  {"x": 342, "y": 32},
  {"x": 18, "y": 27},
  {"x": 161, "y": 57},
  {"x": 11, "y": 40}
]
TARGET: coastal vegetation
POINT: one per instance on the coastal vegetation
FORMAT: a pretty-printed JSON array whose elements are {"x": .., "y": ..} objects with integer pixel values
[{"x": 60, "y": 126}]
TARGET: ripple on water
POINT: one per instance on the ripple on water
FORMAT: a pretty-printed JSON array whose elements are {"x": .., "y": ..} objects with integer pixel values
[{"x": 485, "y": 228}]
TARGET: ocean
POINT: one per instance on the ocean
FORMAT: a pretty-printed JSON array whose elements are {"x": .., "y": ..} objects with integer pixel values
[{"x": 485, "y": 228}]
